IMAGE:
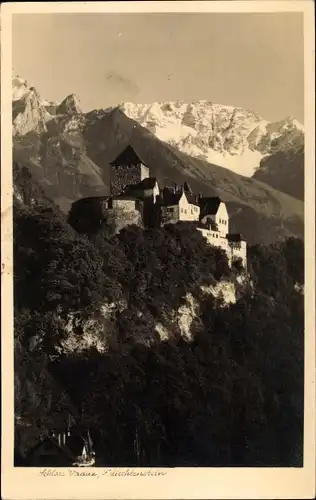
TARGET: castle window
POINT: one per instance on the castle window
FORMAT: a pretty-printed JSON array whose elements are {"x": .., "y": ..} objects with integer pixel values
[{"x": 185, "y": 211}]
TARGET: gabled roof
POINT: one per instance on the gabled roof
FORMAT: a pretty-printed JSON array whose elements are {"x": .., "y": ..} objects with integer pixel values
[
  {"x": 209, "y": 206},
  {"x": 90, "y": 199},
  {"x": 191, "y": 198},
  {"x": 187, "y": 188},
  {"x": 127, "y": 156},
  {"x": 171, "y": 198}
]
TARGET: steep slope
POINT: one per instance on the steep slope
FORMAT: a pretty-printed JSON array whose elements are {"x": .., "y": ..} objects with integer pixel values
[
  {"x": 28, "y": 113},
  {"x": 70, "y": 106},
  {"x": 284, "y": 170},
  {"x": 230, "y": 137}
]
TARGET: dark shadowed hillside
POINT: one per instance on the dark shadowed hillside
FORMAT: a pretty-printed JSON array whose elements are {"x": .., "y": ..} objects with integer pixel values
[{"x": 284, "y": 170}]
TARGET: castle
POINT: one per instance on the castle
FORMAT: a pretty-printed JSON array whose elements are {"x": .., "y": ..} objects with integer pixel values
[{"x": 139, "y": 199}]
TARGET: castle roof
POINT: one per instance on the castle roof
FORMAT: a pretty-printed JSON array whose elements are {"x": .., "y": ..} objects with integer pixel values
[
  {"x": 191, "y": 198},
  {"x": 148, "y": 183},
  {"x": 127, "y": 156},
  {"x": 209, "y": 206},
  {"x": 91, "y": 198},
  {"x": 173, "y": 198},
  {"x": 187, "y": 188}
]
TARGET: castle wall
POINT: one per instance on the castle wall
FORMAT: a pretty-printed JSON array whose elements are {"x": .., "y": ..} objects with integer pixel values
[
  {"x": 86, "y": 214},
  {"x": 238, "y": 250},
  {"x": 214, "y": 238},
  {"x": 233, "y": 250},
  {"x": 126, "y": 205},
  {"x": 121, "y": 216},
  {"x": 170, "y": 214},
  {"x": 184, "y": 211},
  {"x": 221, "y": 218},
  {"x": 146, "y": 194},
  {"x": 122, "y": 175}
]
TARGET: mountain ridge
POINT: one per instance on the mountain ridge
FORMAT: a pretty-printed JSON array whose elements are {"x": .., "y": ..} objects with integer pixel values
[
  {"x": 228, "y": 136},
  {"x": 69, "y": 155}
]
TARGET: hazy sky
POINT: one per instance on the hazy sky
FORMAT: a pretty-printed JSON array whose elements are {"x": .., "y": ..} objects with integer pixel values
[{"x": 254, "y": 61}]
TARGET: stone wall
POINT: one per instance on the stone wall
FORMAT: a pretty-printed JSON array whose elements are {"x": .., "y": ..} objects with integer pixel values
[
  {"x": 170, "y": 214},
  {"x": 238, "y": 250},
  {"x": 85, "y": 215},
  {"x": 214, "y": 238},
  {"x": 118, "y": 218},
  {"x": 123, "y": 175},
  {"x": 234, "y": 250}
]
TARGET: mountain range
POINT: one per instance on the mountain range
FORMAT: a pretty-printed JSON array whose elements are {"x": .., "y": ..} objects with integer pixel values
[{"x": 250, "y": 163}]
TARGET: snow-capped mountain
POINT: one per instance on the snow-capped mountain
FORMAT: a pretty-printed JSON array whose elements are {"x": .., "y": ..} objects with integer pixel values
[
  {"x": 69, "y": 106},
  {"x": 68, "y": 153},
  {"x": 224, "y": 135},
  {"x": 31, "y": 113}
]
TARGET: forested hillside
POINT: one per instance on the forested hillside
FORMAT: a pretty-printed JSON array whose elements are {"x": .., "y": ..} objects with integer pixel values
[{"x": 127, "y": 331}]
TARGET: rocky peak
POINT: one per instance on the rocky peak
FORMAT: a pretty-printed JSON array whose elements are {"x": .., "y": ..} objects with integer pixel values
[
  {"x": 28, "y": 113},
  {"x": 69, "y": 106},
  {"x": 227, "y": 136}
]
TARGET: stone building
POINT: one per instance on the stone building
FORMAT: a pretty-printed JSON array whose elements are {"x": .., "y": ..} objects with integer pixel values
[
  {"x": 87, "y": 215},
  {"x": 213, "y": 210},
  {"x": 179, "y": 204},
  {"x": 136, "y": 198},
  {"x": 127, "y": 169},
  {"x": 214, "y": 226},
  {"x": 147, "y": 190}
]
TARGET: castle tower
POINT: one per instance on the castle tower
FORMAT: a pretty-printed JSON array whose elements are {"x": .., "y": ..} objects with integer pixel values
[{"x": 127, "y": 169}]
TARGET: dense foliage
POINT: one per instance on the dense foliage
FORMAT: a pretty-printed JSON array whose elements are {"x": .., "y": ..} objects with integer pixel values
[{"x": 231, "y": 396}]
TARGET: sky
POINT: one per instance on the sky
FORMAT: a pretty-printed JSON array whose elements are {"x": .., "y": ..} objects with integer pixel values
[{"x": 253, "y": 61}]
